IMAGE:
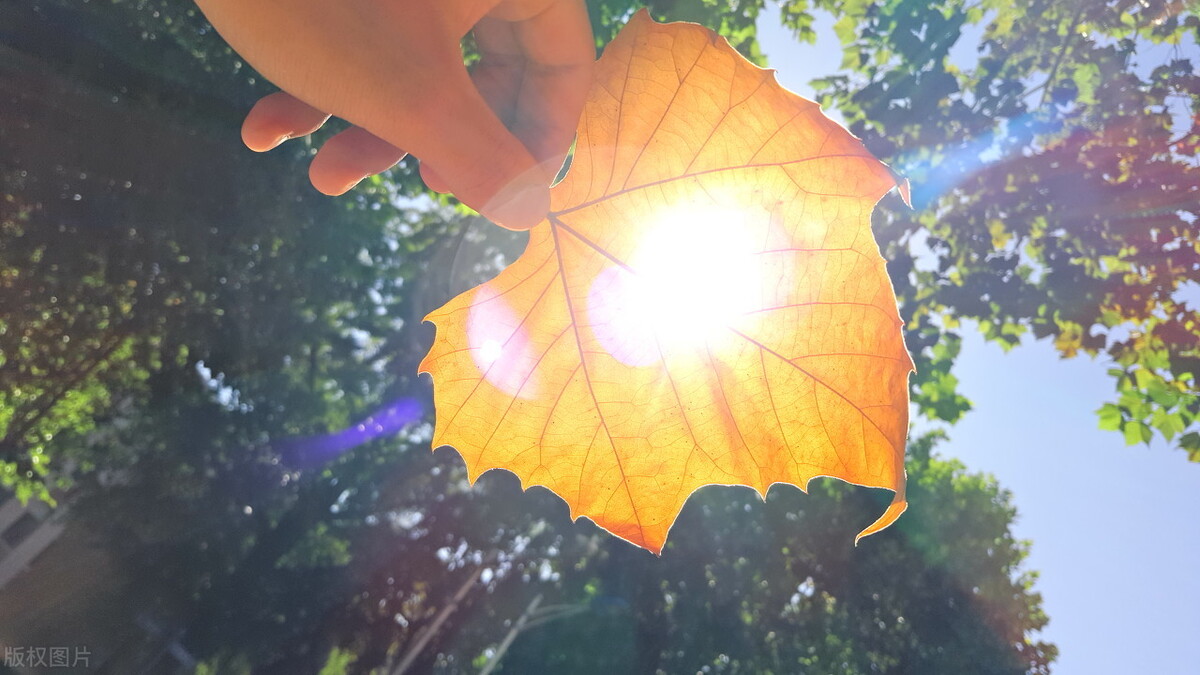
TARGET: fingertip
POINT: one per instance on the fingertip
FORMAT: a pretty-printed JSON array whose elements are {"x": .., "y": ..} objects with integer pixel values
[
  {"x": 482, "y": 162},
  {"x": 348, "y": 158},
  {"x": 258, "y": 141},
  {"x": 331, "y": 188},
  {"x": 278, "y": 117},
  {"x": 432, "y": 180},
  {"x": 519, "y": 206}
]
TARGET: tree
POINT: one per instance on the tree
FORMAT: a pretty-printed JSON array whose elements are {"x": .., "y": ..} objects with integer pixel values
[
  {"x": 1055, "y": 175},
  {"x": 751, "y": 587},
  {"x": 131, "y": 260}
]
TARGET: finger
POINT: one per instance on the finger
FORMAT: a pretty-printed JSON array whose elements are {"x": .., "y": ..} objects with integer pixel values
[
  {"x": 501, "y": 67},
  {"x": 484, "y": 164},
  {"x": 349, "y": 157},
  {"x": 278, "y": 117},
  {"x": 561, "y": 50},
  {"x": 432, "y": 180},
  {"x": 537, "y": 71}
]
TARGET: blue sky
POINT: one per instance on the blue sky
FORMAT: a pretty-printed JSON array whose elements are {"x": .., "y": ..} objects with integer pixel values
[{"x": 1115, "y": 538}]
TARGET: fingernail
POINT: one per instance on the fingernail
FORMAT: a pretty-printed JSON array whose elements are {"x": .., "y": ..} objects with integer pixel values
[
  {"x": 277, "y": 142},
  {"x": 520, "y": 207},
  {"x": 351, "y": 185}
]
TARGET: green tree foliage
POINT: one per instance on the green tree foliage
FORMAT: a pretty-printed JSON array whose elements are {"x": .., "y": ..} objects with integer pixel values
[
  {"x": 140, "y": 242},
  {"x": 733, "y": 19},
  {"x": 745, "y": 586},
  {"x": 1055, "y": 170}
]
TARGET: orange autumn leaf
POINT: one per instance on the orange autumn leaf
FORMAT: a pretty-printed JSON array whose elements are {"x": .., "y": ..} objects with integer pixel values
[{"x": 704, "y": 303}]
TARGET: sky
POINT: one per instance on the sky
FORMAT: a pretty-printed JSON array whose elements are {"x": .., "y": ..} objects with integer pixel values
[{"x": 1114, "y": 534}]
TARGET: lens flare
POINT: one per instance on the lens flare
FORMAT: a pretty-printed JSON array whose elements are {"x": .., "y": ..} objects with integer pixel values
[
  {"x": 314, "y": 451},
  {"x": 500, "y": 345}
]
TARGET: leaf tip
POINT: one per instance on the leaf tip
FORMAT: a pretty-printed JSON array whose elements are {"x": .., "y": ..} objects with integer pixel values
[
  {"x": 897, "y": 507},
  {"x": 905, "y": 190},
  {"x": 641, "y": 16}
]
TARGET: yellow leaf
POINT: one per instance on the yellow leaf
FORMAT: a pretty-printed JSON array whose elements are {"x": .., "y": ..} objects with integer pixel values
[{"x": 704, "y": 304}]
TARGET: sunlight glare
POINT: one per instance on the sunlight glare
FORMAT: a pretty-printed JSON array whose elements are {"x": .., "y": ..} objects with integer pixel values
[
  {"x": 490, "y": 351},
  {"x": 696, "y": 271}
]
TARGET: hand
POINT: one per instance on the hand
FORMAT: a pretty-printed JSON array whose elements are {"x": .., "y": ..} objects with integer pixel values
[{"x": 495, "y": 137}]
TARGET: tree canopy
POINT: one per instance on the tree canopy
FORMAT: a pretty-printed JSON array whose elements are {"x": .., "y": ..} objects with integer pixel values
[{"x": 1055, "y": 178}]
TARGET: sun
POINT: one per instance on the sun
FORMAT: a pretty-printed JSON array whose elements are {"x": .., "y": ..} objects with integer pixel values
[{"x": 695, "y": 273}]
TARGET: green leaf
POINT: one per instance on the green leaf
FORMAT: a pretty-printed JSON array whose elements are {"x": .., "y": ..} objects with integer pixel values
[
  {"x": 1110, "y": 417},
  {"x": 1136, "y": 432},
  {"x": 1190, "y": 442},
  {"x": 1168, "y": 424},
  {"x": 1087, "y": 79}
]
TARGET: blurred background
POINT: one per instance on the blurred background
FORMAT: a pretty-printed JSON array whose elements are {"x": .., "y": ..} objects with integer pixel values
[{"x": 214, "y": 450}]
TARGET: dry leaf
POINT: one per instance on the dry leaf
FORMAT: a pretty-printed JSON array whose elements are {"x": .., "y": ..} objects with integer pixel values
[{"x": 704, "y": 304}]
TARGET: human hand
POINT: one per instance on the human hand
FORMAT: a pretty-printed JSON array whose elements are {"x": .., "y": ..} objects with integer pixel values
[{"x": 495, "y": 137}]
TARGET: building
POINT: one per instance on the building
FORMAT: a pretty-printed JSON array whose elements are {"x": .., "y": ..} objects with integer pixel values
[{"x": 25, "y": 532}]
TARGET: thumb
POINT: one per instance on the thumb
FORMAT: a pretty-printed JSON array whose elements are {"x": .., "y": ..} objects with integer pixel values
[{"x": 481, "y": 161}]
